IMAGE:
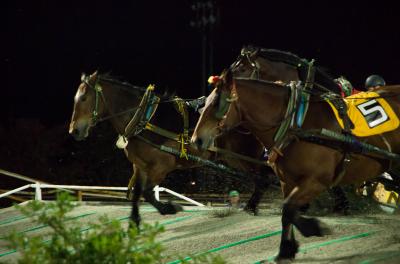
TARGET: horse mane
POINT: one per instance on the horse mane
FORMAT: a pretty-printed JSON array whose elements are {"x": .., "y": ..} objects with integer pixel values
[
  {"x": 164, "y": 95},
  {"x": 321, "y": 74}
]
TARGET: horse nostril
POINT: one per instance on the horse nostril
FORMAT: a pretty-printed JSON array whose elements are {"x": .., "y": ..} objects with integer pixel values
[{"x": 75, "y": 132}]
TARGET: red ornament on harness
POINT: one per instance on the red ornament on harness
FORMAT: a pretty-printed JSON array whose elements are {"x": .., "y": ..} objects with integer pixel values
[{"x": 213, "y": 79}]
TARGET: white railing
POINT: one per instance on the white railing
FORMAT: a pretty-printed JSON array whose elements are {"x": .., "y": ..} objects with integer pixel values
[{"x": 38, "y": 186}]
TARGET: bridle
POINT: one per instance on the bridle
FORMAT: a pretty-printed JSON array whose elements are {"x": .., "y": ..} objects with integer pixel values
[
  {"x": 99, "y": 95},
  {"x": 247, "y": 56}
]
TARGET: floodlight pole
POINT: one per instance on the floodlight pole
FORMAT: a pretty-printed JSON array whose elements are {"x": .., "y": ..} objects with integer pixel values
[{"x": 204, "y": 20}]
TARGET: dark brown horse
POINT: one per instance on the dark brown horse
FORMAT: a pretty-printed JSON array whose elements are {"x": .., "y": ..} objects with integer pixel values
[
  {"x": 305, "y": 168},
  {"x": 276, "y": 65},
  {"x": 282, "y": 66},
  {"x": 100, "y": 97}
]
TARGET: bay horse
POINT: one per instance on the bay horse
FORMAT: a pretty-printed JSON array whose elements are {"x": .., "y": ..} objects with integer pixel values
[
  {"x": 305, "y": 168},
  {"x": 283, "y": 66},
  {"x": 100, "y": 97}
]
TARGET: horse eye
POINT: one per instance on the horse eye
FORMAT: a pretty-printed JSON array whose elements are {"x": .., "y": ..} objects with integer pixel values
[{"x": 83, "y": 99}]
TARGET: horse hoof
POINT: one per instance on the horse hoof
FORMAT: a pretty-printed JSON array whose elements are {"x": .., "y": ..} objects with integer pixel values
[
  {"x": 312, "y": 227},
  {"x": 283, "y": 261},
  {"x": 170, "y": 208},
  {"x": 287, "y": 251},
  {"x": 325, "y": 230},
  {"x": 177, "y": 207},
  {"x": 134, "y": 224},
  {"x": 251, "y": 211}
]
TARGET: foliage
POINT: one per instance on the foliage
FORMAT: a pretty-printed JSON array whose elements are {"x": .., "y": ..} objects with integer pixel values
[{"x": 103, "y": 242}]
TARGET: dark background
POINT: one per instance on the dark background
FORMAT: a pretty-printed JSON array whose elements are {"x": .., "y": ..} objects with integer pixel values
[{"x": 48, "y": 44}]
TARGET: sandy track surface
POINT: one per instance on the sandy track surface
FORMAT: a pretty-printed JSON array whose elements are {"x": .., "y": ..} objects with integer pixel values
[{"x": 239, "y": 237}]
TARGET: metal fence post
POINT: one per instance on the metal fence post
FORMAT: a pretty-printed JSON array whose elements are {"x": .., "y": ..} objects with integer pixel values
[
  {"x": 157, "y": 193},
  {"x": 38, "y": 192}
]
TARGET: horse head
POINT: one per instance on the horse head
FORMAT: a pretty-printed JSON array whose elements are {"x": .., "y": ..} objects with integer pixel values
[
  {"x": 214, "y": 119},
  {"x": 248, "y": 64},
  {"x": 232, "y": 103},
  {"x": 87, "y": 107},
  {"x": 266, "y": 64}
]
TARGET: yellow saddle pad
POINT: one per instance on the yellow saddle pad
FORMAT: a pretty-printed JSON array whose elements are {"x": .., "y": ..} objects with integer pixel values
[{"x": 369, "y": 114}]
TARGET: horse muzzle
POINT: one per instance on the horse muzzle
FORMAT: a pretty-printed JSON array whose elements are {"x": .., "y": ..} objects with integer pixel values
[
  {"x": 79, "y": 132},
  {"x": 201, "y": 144}
]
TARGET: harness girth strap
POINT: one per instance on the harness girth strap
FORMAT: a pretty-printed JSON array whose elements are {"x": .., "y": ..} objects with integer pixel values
[
  {"x": 299, "y": 98},
  {"x": 304, "y": 101},
  {"x": 139, "y": 120},
  {"x": 341, "y": 107},
  {"x": 184, "y": 137}
]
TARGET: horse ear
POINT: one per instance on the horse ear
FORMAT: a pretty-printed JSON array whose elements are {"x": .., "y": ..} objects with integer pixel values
[
  {"x": 83, "y": 76},
  {"x": 93, "y": 75},
  {"x": 254, "y": 52}
]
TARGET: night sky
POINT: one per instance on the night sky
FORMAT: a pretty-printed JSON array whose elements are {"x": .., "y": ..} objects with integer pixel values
[{"x": 48, "y": 44}]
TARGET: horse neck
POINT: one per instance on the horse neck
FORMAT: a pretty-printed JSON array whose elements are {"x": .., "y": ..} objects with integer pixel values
[
  {"x": 262, "y": 108},
  {"x": 118, "y": 100},
  {"x": 276, "y": 71}
]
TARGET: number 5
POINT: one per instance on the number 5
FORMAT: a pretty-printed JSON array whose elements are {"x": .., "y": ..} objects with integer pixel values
[{"x": 373, "y": 113}]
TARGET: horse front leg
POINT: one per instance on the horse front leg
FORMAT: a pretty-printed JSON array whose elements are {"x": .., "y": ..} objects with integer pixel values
[
  {"x": 137, "y": 192},
  {"x": 261, "y": 183},
  {"x": 341, "y": 205},
  {"x": 303, "y": 194},
  {"x": 163, "y": 208},
  {"x": 298, "y": 197},
  {"x": 288, "y": 246}
]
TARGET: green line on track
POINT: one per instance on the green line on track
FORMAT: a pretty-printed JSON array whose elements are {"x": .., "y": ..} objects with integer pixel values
[
  {"x": 278, "y": 232},
  {"x": 7, "y": 253},
  {"x": 13, "y": 219},
  {"x": 43, "y": 226},
  {"x": 335, "y": 241},
  {"x": 377, "y": 259},
  {"x": 167, "y": 222},
  {"x": 323, "y": 244},
  {"x": 176, "y": 220}
]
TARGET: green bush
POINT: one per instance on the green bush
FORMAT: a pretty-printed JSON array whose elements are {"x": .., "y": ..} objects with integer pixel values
[{"x": 103, "y": 242}]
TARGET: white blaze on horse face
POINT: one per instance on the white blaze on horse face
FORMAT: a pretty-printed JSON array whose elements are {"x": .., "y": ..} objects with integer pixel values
[
  {"x": 205, "y": 129},
  {"x": 81, "y": 91},
  {"x": 210, "y": 98},
  {"x": 80, "y": 121},
  {"x": 71, "y": 127}
]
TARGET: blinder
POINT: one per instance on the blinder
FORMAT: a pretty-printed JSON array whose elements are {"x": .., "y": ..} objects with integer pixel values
[
  {"x": 98, "y": 92},
  {"x": 225, "y": 100}
]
